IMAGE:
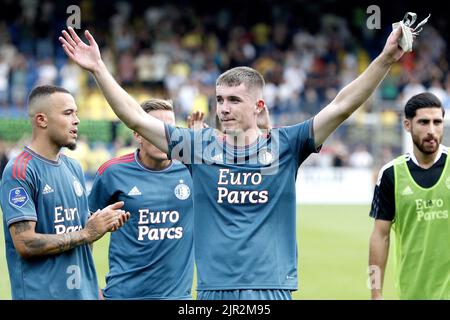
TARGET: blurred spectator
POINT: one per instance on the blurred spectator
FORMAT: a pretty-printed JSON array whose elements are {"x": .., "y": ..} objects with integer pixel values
[
  {"x": 446, "y": 101},
  {"x": 151, "y": 67},
  {"x": 349, "y": 69},
  {"x": 437, "y": 90},
  {"x": 413, "y": 87},
  {"x": 178, "y": 73},
  {"x": 70, "y": 78},
  {"x": 108, "y": 58},
  {"x": 80, "y": 153},
  {"x": 145, "y": 67},
  {"x": 46, "y": 72},
  {"x": 3, "y": 157},
  {"x": 126, "y": 69},
  {"x": 7, "y": 50},
  {"x": 270, "y": 94},
  {"x": 186, "y": 97},
  {"x": 361, "y": 158},
  {"x": 19, "y": 89},
  {"x": 93, "y": 105},
  {"x": 310, "y": 104},
  {"x": 386, "y": 156},
  {"x": 123, "y": 147},
  {"x": 98, "y": 154},
  {"x": 4, "y": 83},
  {"x": 340, "y": 153}
]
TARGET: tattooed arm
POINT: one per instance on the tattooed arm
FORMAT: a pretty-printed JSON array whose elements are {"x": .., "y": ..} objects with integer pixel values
[{"x": 30, "y": 244}]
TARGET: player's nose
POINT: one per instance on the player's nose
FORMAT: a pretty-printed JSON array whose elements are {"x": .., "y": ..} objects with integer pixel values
[
  {"x": 76, "y": 120},
  {"x": 225, "y": 109},
  {"x": 431, "y": 130}
]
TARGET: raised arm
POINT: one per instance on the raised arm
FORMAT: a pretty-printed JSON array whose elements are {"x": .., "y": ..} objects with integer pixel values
[
  {"x": 378, "y": 255},
  {"x": 29, "y": 243},
  {"x": 124, "y": 106},
  {"x": 352, "y": 96}
]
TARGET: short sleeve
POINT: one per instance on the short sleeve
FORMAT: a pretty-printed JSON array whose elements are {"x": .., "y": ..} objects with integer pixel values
[
  {"x": 17, "y": 199},
  {"x": 383, "y": 202},
  {"x": 301, "y": 139}
]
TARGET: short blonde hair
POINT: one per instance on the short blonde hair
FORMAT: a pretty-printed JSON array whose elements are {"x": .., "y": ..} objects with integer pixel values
[
  {"x": 246, "y": 75},
  {"x": 157, "y": 104}
]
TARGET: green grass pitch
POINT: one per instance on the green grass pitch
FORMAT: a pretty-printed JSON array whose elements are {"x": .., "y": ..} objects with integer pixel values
[{"x": 333, "y": 253}]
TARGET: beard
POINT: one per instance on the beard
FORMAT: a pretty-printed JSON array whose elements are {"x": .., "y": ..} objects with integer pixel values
[
  {"x": 420, "y": 144},
  {"x": 58, "y": 140},
  {"x": 71, "y": 146}
]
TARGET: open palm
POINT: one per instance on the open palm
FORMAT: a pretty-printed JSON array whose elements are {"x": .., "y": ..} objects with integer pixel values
[{"x": 86, "y": 56}]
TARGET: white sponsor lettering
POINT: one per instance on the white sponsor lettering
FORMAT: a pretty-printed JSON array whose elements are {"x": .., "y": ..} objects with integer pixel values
[
  {"x": 430, "y": 209},
  {"x": 228, "y": 178},
  {"x": 148, "y": 219},
  {"x": 63, "y": 215}
]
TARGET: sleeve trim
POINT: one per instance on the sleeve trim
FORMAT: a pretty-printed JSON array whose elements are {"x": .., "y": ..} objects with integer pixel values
[
  {"x": 312, "y": 137},
  {"x": 21, "y": 218}
]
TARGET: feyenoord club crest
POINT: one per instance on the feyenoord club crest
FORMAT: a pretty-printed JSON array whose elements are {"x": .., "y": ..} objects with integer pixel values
[
  {"x": 182, "y": 191},
  {"x": 264, "y": 156},
  {"x": 77, "y": 187}
]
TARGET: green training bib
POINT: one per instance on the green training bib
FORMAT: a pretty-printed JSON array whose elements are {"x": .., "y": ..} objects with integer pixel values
[{"x": 422, "y": 235}]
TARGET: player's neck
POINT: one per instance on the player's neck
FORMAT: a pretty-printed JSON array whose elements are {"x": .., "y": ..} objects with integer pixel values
[
  {"x": 243, "y": 138},
  {"x": 151, "y": 163},
  {"x": 45, "y": 149},
  {"x": 424, "y": 160}
]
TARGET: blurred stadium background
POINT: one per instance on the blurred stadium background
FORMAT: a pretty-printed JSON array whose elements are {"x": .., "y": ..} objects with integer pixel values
[{"x": 175, "y": 49}]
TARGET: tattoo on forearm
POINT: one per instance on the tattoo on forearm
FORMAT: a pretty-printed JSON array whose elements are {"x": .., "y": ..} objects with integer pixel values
[
  {"x": 21, "y": 226},
  {"x": 93, "y": 232},
  {"x": 35, "y": 244},
  {"x": 66, "y": 241},
  {"x": 43, "y": 244}
]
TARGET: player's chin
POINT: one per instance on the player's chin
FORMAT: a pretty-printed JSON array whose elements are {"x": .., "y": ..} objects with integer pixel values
[
  {"x": 227, "y": 126},
  {"x": 429, "y": 149},
  {"x": 231, "y": 130},
  {"x": 72, "y": 145}
]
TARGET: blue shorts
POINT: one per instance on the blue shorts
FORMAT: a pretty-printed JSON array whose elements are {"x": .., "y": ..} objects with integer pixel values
[{"x": 244, "y": 294}]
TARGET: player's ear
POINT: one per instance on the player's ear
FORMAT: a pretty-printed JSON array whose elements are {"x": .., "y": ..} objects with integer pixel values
[
  {"x": 137, "y": 137},
  {"x": 407, "y": 124},
  {"x": 259, "y": 105},
  {"x": 41, "y": 120}
]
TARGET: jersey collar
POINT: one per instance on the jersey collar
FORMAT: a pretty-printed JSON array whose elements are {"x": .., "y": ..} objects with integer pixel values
[
  {"x": 52, "y": 162},
  {"x": 438, "y": 155},
  {"x": 140, "y": 164}
]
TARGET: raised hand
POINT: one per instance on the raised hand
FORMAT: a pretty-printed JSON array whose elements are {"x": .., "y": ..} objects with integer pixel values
[
  {"x": 86, "y": 56},
  {"x": 196, "y": 120},
  {"x": 392, "y": 50}
]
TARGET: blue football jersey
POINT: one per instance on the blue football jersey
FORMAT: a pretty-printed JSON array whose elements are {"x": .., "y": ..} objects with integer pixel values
[
  {"x": 52, "y": 193},
  {"x": 245, "y": 205},
  {"x": 151, "y": 256}
]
